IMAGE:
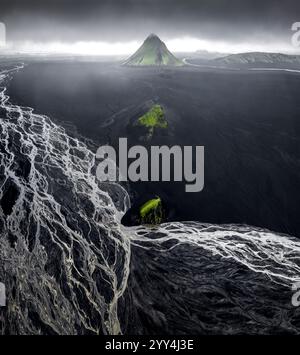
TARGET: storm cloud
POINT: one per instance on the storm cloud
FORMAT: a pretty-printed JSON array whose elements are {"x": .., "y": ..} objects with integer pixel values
[{"x": 126, "y": 20}]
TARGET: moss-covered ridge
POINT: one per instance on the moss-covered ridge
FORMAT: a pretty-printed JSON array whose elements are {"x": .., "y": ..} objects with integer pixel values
[
  {"x": 151, "y": 212},
  {"x": 153, "y": 119}
]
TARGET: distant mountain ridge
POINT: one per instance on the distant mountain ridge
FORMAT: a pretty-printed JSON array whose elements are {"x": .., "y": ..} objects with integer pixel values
[
  {"x": 153, "y": 52},
  {"x": 259, "y": 57}
]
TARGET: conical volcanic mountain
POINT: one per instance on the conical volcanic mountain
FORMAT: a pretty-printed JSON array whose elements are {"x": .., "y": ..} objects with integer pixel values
[{"x": 153, "y": 52}]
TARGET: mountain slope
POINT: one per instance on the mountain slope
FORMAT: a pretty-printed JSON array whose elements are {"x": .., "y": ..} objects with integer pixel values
[
  {"x": 259, "y": 57},
  {"x": 153, "y": 52}
]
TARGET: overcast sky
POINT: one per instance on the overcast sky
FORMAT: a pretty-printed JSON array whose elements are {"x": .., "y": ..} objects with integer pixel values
[{"x": 249, "y": 22}]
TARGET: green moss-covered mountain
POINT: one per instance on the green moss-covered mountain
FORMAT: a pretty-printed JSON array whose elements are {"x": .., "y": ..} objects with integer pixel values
[{"x": 153, "y": 52}]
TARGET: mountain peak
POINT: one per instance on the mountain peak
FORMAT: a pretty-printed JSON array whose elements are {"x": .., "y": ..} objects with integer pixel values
[
  {"x": 153, "y": 52},
  {"x": 152, "y": 36}
]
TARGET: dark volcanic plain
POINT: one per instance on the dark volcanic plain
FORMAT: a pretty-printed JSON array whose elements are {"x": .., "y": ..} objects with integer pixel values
[{"x": 249, "y": 123}]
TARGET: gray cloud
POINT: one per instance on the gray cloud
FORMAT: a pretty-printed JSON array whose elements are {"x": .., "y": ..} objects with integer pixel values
[{"x": 112, "y": 20}]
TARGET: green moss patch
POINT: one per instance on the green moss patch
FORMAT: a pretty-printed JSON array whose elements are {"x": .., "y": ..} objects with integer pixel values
[
  {"x": 154, "y": 118},
  {"x": 152, "y": 212}
]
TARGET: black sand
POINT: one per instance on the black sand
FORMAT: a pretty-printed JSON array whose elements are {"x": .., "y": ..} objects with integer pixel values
[{"x": 247, "y": 121}]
